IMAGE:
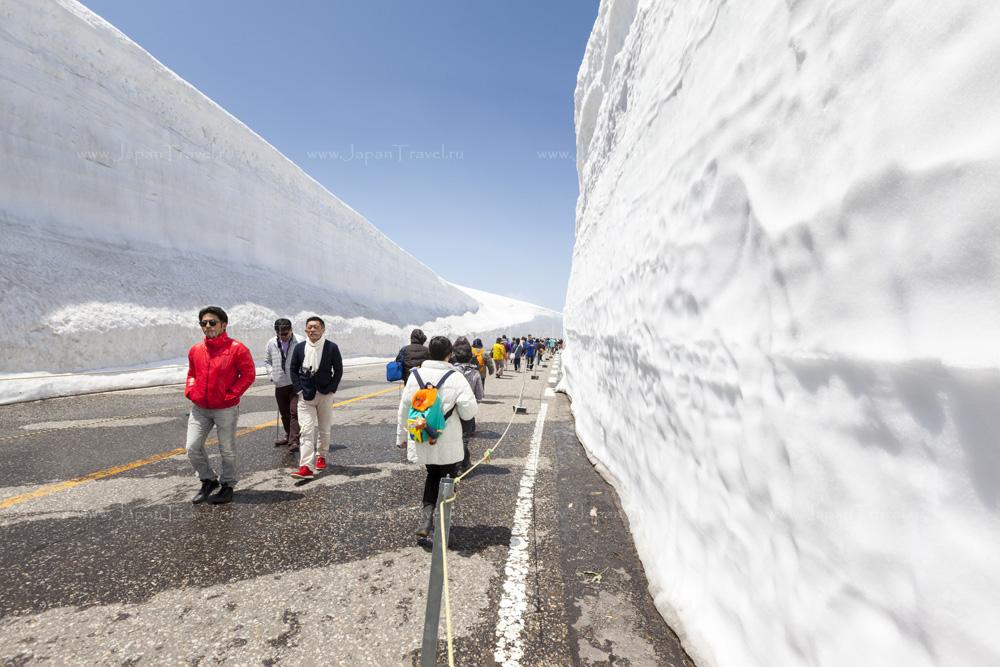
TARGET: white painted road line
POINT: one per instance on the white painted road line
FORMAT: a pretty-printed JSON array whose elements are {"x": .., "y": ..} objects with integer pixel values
[
  {"x": 514, "y": 601},
  {"x": 549, "y": 393}
]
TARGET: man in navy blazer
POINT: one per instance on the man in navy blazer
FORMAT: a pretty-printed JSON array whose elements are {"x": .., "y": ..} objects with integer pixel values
[{"x": 316, "y": 368}]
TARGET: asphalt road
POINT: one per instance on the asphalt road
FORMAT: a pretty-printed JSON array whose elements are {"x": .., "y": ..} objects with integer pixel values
[{"x": 104, "y": 559}]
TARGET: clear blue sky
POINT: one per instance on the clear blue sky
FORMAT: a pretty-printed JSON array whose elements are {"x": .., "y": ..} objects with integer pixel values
[{"x": 490, "y": 81}]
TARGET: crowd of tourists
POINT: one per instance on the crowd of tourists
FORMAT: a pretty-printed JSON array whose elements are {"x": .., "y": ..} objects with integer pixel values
[{"x": 443, "y": 383}]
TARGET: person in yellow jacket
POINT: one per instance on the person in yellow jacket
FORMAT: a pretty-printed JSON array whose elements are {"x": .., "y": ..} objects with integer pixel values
[
  {"x": 499, "y": 355},
  {"x": 483, "y": 358}
]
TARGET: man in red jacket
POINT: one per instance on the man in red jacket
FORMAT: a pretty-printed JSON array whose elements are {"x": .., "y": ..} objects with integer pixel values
[{"x": 220, "y": 370}]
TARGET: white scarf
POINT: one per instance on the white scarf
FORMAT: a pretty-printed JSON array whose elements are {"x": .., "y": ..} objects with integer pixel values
[{"x": 314, "y": 354}]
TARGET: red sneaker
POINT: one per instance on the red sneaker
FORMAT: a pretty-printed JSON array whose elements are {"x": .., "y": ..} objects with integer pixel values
[
  {"x": 320, "y": 463},
  {"x": 303, "y": 473}
]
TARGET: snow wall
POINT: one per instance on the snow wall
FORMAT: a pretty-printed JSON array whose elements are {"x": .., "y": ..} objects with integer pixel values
[
  {"x": 783, "y": 317},
  {"x": 128, "y": 200}
]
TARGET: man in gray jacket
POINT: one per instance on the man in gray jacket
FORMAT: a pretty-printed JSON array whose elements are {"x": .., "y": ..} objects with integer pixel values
[{"x": 277, "y": 356}]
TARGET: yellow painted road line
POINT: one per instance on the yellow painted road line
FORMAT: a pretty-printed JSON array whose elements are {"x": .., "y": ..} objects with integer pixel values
[
  {"x": 358, "y": 398},
  {"x": 49, "y": 489}
]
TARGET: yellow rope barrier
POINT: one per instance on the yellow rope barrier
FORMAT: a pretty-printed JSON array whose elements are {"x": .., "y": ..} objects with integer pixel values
[
  {"x": 444, "y": 572},
  {"x": 487, "y": 455}
]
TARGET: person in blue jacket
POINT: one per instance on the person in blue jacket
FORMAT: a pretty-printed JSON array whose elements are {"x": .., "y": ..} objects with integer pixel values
[{"x": 529, "y": 351}]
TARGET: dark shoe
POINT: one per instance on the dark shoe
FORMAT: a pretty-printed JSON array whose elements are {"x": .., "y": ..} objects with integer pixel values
[
  {"x": 207, "y": 486},
  {"x": 280, "y": 443},
  {"x": 222, "y": 496},
  {"x": 427, "y": 528},
  {"x": 294, "y": 449}
]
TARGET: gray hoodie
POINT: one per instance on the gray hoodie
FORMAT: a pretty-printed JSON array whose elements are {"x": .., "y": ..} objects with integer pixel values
[{"x": 471, "y": 372}]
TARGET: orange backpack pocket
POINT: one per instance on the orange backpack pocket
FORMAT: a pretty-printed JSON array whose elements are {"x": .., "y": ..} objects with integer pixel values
[{"x": 424, "y": 399}]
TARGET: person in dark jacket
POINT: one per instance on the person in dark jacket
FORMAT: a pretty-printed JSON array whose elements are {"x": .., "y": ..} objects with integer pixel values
[
  {"x": 220, "y": 370},
  {"x": 414, "y": 354},
  {"x": 463, "y": 360},
  {"x": 517, "y": 351},
  {"x": 316, "y": 368}
]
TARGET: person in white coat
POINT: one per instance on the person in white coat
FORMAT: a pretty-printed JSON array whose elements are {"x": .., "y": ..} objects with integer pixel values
[{"x": 443, "y": 458}]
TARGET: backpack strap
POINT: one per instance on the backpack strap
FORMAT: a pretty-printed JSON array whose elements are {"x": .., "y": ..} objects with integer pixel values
[
  {"x": 440, "y": 384},
  {"x": 443, "y": 378},
  {"x": 420, "y": 380},
  {"x": 282, "y": 352}
]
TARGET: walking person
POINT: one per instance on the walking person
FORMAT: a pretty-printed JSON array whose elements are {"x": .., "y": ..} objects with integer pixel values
[
  {"x": 441, "y": 459},
  {"x": 220, "y": 370},
  {"x": 499, "y": 357},
  {"x": 463, "y": 358},
  {"x": 414, "y": 354},
  {"x": 277, "y": 356},
  {"x": 483, "y": 359},
  {"x": 517, "y": 350},
  {"x": 316, "y": 369},
  {"x": 529, "y": 352}
]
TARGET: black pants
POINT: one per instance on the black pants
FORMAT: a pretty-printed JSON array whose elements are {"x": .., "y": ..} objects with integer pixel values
[
  {"x": 433, "y": 481},
  {"x": 468, "y": 429},
  {"x": 288, "y": 404}
]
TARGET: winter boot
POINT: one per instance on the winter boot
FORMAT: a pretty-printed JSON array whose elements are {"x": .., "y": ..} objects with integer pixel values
[
  {"x": 222, "y": 496},
  {"x": 428, "y": 526},
  {"x": 466, "y": 460},
  {"x": 207, "y": 486}
]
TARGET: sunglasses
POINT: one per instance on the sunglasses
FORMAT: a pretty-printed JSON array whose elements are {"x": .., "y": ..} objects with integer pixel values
[{"x": 208, "y": 323}]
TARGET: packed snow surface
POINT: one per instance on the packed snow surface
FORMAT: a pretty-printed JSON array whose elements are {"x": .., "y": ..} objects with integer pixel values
[
  {"x": 783, "y": 316},
  {"x": 128, "y": 200}
]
